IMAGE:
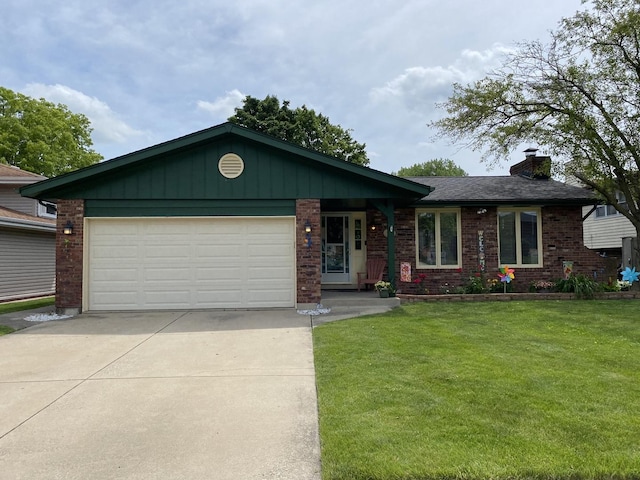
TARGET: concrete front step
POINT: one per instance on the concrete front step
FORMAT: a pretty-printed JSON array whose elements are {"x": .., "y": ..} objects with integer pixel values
[{"x": 332, "y": 299}]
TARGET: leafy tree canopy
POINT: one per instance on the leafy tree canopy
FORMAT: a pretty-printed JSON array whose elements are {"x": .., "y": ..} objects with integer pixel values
[
  {"x": 578, "y": 96},
  {"x": 438, "y": 167},
  {"x": 41, "y": 137},
  {"x": 302, "y": 126}
]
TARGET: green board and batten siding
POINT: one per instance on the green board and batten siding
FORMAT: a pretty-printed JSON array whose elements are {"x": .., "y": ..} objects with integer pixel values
[{"x": 184, "y": 180}]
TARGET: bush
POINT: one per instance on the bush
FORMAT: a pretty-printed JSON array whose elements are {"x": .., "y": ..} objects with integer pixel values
[
  {"x": 476, "y": 284},
  {"x": 610, "y": 286},
  {"x": 581, "y": 285}
]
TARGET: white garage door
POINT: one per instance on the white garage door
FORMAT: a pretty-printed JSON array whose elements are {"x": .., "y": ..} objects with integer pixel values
[{"x": 182, "y": 263}]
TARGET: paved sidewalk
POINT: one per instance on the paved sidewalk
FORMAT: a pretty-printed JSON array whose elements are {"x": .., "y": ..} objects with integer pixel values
[{"x": 160, "y": 395}]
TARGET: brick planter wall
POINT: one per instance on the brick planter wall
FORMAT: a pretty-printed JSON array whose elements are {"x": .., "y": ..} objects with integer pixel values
[
  {"x": 308, "y": 259},
  {"x": 561, "y": 241},
  {"x": 69, "y": 257}
]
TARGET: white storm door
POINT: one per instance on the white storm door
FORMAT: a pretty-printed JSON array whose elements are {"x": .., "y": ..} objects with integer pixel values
[{"x": 335, "y": 249}]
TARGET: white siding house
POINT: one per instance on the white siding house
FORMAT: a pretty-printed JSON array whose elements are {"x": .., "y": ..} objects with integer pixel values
[
  {"x": 605, "y": 227},
  {"x": 606, "y": 233},
  {"x": 27, "y": 239}
]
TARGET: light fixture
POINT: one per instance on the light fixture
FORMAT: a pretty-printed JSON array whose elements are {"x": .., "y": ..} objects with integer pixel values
[
  {"x": 307, "y": 234},
  {"x": 373, "y": 228},
  {"x": 482, "y": 211},
  {"x": 68, "y": 228}
]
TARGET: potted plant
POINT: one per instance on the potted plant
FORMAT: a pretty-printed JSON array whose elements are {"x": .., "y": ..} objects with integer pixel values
[{"x": 384, "y": 289}]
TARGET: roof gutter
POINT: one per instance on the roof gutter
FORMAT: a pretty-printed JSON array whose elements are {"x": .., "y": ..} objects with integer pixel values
[{"x": 27, "y": 225}]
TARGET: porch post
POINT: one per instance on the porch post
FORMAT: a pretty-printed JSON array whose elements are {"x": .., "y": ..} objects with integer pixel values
[{"x": 387, "y": 208}]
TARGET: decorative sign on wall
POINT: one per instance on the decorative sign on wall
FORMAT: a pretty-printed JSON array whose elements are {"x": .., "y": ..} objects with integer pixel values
[
  {"x": 481, "y": 260},
  {"x": 405, "y": 272},
  {"x": 567, "y": 268}
]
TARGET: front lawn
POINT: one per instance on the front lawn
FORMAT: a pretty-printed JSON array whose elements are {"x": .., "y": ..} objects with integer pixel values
[{"x": 514, "y": 390}]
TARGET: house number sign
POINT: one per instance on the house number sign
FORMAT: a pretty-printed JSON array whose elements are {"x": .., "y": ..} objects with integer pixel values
[{"x": 481, "y": 259}]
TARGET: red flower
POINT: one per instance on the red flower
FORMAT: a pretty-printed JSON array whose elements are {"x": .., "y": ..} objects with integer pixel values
[{"x": 477, "y": 274}]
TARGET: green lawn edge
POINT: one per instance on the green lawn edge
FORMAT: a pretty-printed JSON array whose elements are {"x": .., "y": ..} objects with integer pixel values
[
  {"x": 17, "y": 306},
  {"x": 417, "y": 393}
]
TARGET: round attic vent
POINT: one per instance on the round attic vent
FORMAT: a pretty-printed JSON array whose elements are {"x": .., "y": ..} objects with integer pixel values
[{"x": 231, "y": 165}]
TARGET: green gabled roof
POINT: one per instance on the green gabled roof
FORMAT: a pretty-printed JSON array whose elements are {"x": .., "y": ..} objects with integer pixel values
[{"x": 193, "y": 150}]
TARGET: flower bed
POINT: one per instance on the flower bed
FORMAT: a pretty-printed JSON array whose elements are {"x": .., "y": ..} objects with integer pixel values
[{"x": 505, "y": 297}]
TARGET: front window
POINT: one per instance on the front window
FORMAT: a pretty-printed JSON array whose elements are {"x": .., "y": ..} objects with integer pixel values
[
  {"x": 438, "y": 238},
  {"x": 519, "y": 237}
]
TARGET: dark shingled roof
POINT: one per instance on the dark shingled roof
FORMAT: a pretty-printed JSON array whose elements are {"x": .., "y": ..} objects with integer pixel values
[{"x": 502, "y": 190}]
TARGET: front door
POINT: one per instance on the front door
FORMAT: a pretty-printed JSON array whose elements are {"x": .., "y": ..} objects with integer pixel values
[{"x": 335, "y": 249}]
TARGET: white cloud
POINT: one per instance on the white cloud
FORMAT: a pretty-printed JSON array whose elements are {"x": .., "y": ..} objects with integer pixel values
[
  {"x": 107, "y": 127},
  {"x": 419, "y": 86},
  {"x": 223, "y": 107}
]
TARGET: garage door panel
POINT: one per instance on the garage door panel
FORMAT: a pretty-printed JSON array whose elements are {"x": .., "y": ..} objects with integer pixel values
[
  {"x": 220, "y": 274},
  {"x": 167, "y": 274},
  {"x": 113, "y": 275},
  {"x": 180, "y": 263},
  {"x": 258, "y": 275},
  {"x": 103, "y": 252},
  {"x": 218, "y": 251},
  {"x": 167, "y": 299},
  {"x": 127, "y": 299},
  {"x": 173, "y": 252}
]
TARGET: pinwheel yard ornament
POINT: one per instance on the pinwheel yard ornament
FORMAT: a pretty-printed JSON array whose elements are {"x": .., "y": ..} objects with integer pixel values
[
  {"x": 506, "y": 275},
  {"x": 630, "y": 275}
]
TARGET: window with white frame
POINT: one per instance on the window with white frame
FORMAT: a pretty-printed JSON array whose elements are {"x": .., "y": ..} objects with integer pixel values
[
  {"x": 520, "y": 237},
  {"x": 603, "y": 211},
  {"x": 47, "y": 210},
  {"x": 438, "y": 238}
]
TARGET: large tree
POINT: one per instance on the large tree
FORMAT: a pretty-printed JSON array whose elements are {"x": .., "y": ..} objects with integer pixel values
[
  {"x": 41, "y": 137},
  {"x": 578, "y": 96},
  {"x": 438, "y": 167},
  {"x": 302, "y": 126}
]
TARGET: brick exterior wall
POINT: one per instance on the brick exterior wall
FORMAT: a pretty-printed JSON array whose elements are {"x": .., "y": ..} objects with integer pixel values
[
  {"x": 561, "y": 241},
  {"x": 69, "y": 257},
  {"x": 308, "y": 259}
]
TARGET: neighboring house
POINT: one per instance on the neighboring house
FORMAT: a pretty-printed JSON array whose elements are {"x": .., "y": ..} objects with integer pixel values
[
  {"x": 27, "y": 238},
  {"x": 231, "y": 218},
  {"x": 604, "y": 231}
]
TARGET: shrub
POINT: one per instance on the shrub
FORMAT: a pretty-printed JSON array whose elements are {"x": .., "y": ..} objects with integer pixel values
[
  {"x": 476, "y": 284},
  {"x": 583, "y": 286}
]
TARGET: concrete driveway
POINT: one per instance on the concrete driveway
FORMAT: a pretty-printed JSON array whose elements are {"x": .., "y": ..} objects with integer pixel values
[{"x": 160, "y": 395}]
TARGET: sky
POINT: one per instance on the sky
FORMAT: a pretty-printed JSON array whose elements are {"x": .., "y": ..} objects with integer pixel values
[{"x": 145, "y": 71}]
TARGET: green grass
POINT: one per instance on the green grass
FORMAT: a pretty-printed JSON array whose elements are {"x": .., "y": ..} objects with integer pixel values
[
  {"x": 26, "y": 304},
  {"x": 22, "y": 305},
  {"x": 4, "y": 330},
  {"x": 514, "y": 390}
]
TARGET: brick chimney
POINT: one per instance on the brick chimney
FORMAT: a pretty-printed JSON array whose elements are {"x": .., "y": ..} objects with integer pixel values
[{"x": 533, "y": 166}]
